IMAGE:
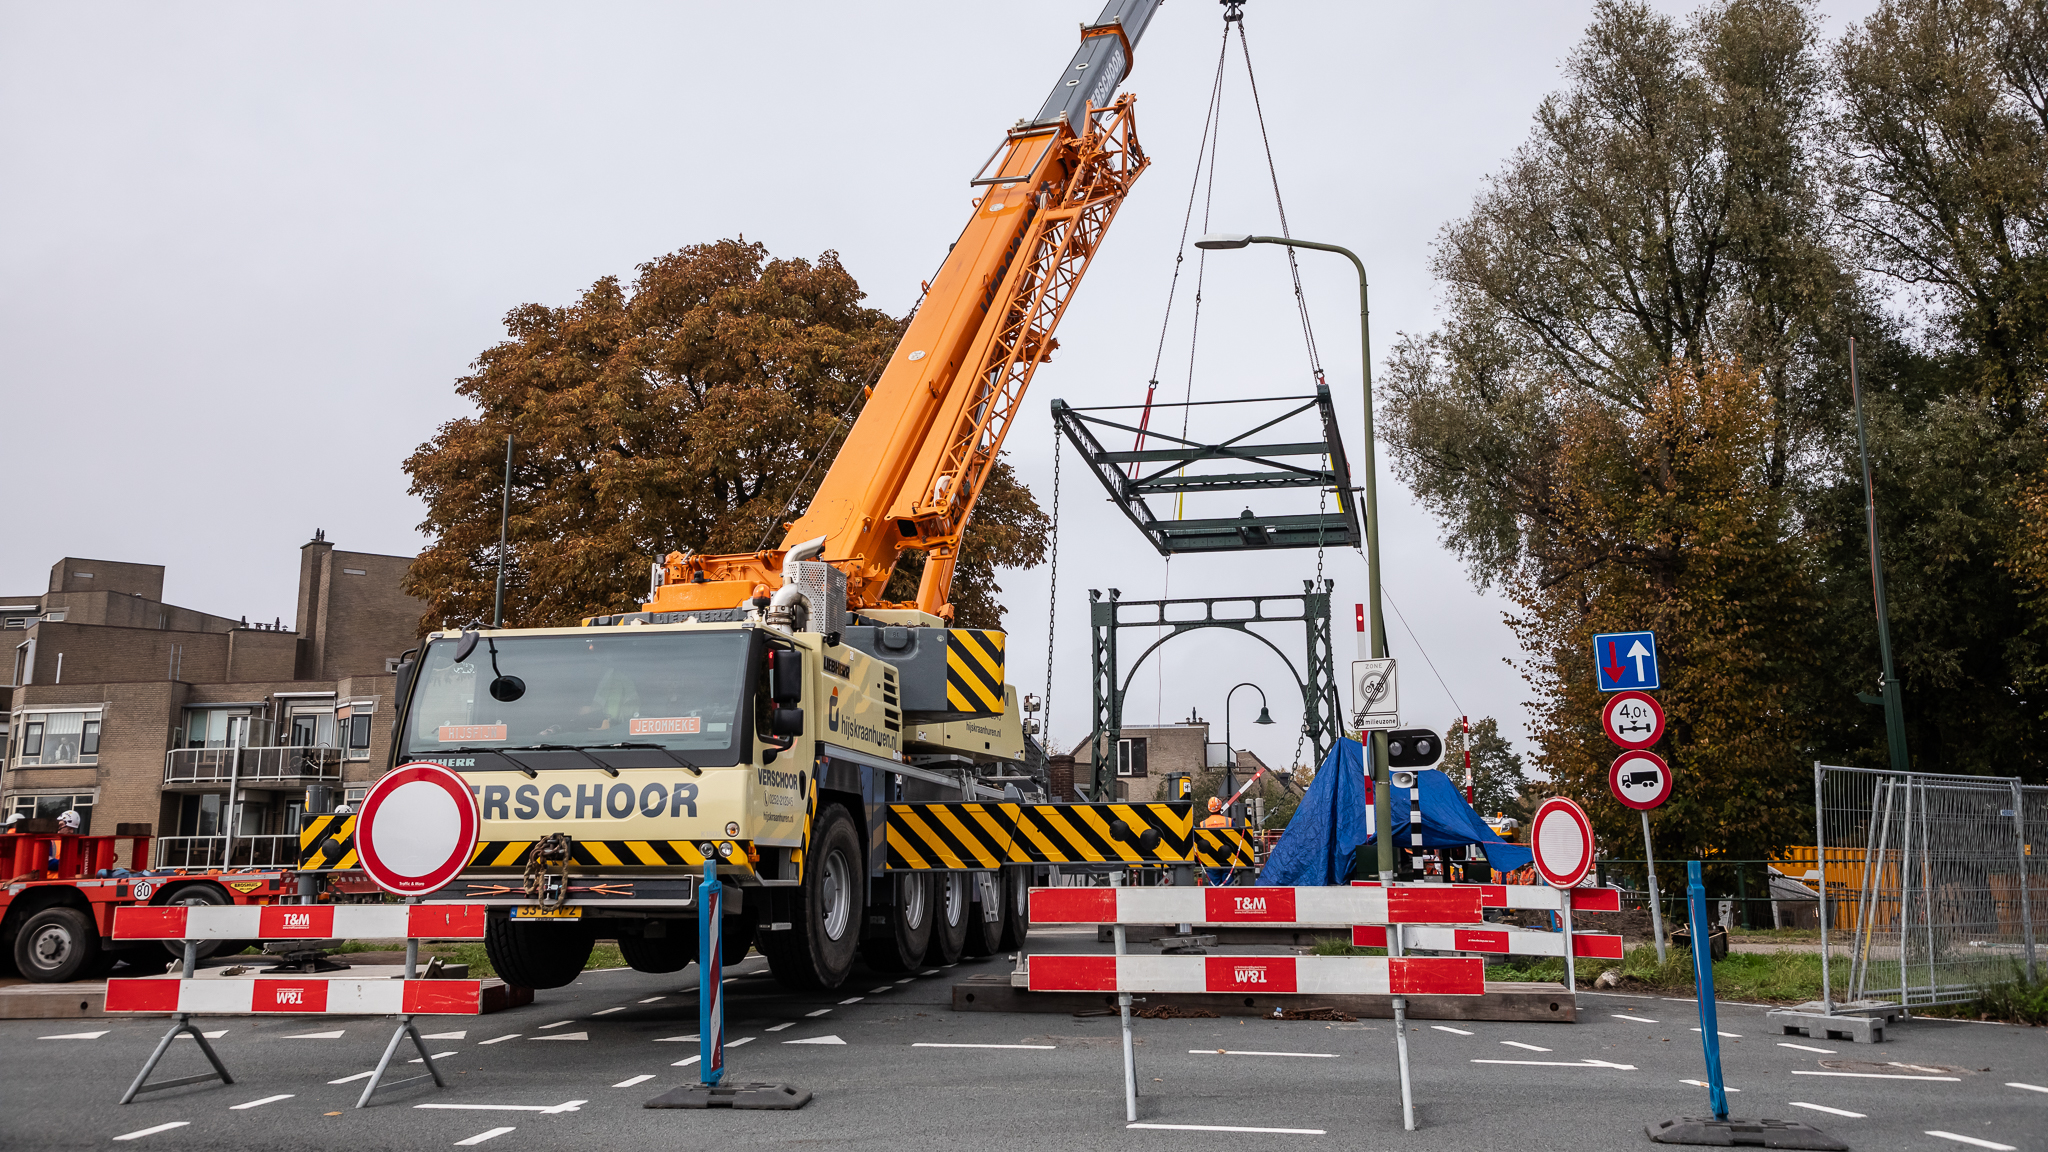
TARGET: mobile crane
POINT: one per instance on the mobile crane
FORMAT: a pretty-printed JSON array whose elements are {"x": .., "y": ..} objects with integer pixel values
[{"x": 763, "y": 710}]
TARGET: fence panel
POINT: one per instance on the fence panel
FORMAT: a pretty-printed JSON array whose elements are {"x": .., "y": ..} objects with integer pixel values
[{"x": 1929, "y": 887}]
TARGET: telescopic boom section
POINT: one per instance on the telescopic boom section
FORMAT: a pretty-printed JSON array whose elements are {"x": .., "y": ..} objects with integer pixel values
[{"x": 915, "y": 461}]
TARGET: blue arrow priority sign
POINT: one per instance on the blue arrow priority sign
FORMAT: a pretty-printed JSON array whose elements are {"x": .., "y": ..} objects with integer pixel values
[{"x": 1624, "y": 660}]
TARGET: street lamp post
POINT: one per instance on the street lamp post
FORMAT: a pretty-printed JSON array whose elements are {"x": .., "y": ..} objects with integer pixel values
[
  {"x": 1376, "y": 747},
  {"x": 1230, "y": 749}
]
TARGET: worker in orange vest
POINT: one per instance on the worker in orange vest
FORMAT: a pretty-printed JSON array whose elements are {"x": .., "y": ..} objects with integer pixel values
[{"x": 1217, "y": 818}]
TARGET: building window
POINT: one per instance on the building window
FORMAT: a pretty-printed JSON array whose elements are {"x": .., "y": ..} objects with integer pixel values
[
  {"x": 220, "y": 728},
  {"x": 199, "y": 815},
  {"x": 1130, "y": 756},
  {"x": 51, "y": 806},
  {"x": 354, "y": 722},
  {"x": 50, "y": 739}
]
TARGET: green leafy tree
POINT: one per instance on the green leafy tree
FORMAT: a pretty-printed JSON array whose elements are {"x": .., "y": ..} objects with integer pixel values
[
  {"x": 697, "y": 408},
  {"x": 1498, "y": 775}
]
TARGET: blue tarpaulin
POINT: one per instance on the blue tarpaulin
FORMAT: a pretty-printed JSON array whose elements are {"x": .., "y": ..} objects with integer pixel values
[{"x": 1331, "y": 823}]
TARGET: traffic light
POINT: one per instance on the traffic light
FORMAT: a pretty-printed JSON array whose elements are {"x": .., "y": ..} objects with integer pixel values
[{"x": 1414, "y": 748}]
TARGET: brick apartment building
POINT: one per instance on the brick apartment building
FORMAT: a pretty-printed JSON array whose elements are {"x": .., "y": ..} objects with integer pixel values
[{"x": 210, "y": 729}]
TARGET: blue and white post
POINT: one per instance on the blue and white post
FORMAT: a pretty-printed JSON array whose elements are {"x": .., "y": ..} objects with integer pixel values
[
  {"x": 1703, "y": 986},
  {"x": 710, "y": 976}
]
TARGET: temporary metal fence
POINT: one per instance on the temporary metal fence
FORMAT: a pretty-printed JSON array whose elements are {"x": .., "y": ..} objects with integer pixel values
[{"x": 1930, "y": 885}]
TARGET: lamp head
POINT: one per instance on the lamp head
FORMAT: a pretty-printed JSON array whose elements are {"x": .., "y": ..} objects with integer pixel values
[
  {"x": 1265, "y": 717},
  {"x": 1219, "y": 240}
]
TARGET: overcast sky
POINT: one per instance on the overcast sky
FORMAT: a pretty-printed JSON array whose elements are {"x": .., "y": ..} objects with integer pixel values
[{"x": 245, "y": 249}]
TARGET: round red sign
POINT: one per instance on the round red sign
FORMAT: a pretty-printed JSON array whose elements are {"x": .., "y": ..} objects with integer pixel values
[
  {"x": 417, "y": 829},
  {"x": 1640, "y": 779},
  {"x": 1562, "y": 839},
  {"x": 1633, "y": 719}
]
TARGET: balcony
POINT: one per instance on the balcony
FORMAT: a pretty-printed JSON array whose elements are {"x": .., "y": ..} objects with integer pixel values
[
  {"x": 281, "y": 851},
  {"x": 251, "y": 767}
]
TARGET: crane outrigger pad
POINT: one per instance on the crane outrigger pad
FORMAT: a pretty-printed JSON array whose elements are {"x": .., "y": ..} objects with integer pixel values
[{"x": 1131, "y": 477}]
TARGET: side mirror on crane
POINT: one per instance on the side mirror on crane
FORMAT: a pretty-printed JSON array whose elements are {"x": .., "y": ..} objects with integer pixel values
[
  {"x": 786, "y": 722},
  {"x": 786, "y": 677}
]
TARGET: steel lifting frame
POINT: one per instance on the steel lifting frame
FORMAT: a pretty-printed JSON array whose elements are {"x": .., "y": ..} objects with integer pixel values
[
  {"x": 1311, "y": 608},
  {"x": 1257, "y": 468}
]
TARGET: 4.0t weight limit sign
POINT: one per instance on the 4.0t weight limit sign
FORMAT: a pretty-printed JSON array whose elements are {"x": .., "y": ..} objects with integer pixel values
[
  {"x": 418, "y": 829},
  {"x": 1633, "y": 719}
]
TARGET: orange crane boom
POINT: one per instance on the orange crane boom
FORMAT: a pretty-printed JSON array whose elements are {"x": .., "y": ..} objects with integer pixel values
[{"x": 915, "y": 461}]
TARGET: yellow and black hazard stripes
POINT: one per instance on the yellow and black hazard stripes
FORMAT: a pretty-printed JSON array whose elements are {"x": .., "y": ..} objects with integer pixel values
[
  {"x": 616, "y": 854},
  {"x": 974, "y": 671},
  {"x": 950, "y": 836},
  {"x": 1223, "y": 848},
  {"x": 327, "y": 843}
]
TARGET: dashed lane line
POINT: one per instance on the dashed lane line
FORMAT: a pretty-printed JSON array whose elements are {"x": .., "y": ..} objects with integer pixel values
[
  {"x": 334, "y": 1035},
  {"x": 543, "y": 1109},
  {"x": 483, "y": 1136},
  {"x": 77, "y": 1035},
  {"x": 609, "y": 1011},
  {"x": 1828, "y": 1110},
  {"x": 1806, "y": 1048},
  {"x": 1635, "y": 1019},
  {"x": 652, "y": 999},
  {"x": 1704, "y": 1084},
  {"x": 1563, "y": 1064},
  {"x": 500, "y": 1039},
  {"x": 640, "y": 1079},
  {"x": 780, "y": 1027},
  {"x": 1525, "y": 1047},
  {"x": 140, "y": 1133},
  {"x": 556, "y": 1024},
  {"x": 1035, "y": 1047},
  {"x": 1875, "y": 1075},
  {"x": 906, "y": 979},
  {"x": 357, "y": 1076},
  {"x": 462, "y": 1035},
  {"x": 2028, "y": 1087},
  {"x": 818, "y": 1040},
  {"x": 740, "y": 1041},
  {"x": 565, "y": 1036},
  {"x": 1229, "y": 1128},
  {"x": 690, "y": 1039},
  {"x": 1972, "y": 1141},
  {"x": 1240, "y": 1052},
  {"x": 684, "y": 1063},
  {"x": 819, "y": 1012},
  {"x": 437, "y": 1056},
  {"x": 208, "y": 1035},
  {"x": 1453, "y": 1031},
  {"x": 882, "y": 989},
  {"x": 260, "y": 1103},
  {"x": 1731, "y": 1035},
  {"x": 853, "y": 1000}
]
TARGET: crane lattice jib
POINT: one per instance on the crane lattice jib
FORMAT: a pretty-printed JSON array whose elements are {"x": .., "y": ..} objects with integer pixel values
[{"x": 914, "y": 462}]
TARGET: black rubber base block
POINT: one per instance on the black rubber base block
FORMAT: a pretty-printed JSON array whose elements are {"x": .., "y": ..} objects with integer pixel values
[
  {"x": 783, "y": 1096},
  {"x": 1743, "y": 1134}
]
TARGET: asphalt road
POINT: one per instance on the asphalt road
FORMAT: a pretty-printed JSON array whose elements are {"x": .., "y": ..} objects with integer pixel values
[{"x": 874, "y": 1055}]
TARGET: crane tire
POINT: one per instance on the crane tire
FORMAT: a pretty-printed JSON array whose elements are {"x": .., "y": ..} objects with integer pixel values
[
  {"x": 671, "y": 953},
  {"x": 817, "y": 950},
  {"x": 1016, "y": 920},
  {"x": 950, "y": 892},
  {"x": 984, "y": 936},
  {"x": 899, "y": 945},
  {"x": 537, "y": 954}
]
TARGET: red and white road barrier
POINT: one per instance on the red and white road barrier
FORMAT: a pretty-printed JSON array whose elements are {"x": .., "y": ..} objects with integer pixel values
[
  {"x": 300, "y": 922},
  {"x": 1280, "y": 907},
  {"x": 1270, "y": 975},
  {"x": 1494, "y": 941},
  {"x": 308, "y": 995},
  {"x": 1527, "y": 897}
]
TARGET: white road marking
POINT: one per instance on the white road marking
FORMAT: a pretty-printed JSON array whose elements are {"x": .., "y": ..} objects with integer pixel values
[
  {"x": 906, "y": 979},
  {"x": 817, "y": 1040},
  {"x": 819, "y": 1012},
  {"x": 1043, "y": 1047},
  {"x": 691, "y": 1038},
  {"x": 1454, "y": 1031},
  {"x": 357, "y": 1076},
  {"x": 208, "y": 1035},
  {"x": 640, "y": 1079},
  {"x": 84, "y": 1035},
  {"x": 1635, "y": 1019},
  {"x": 1972, "y": 1141},
  {"x": 929, "y": 972},
  {"x": 882, "y": 989},
  {"x": 260, "y": 1103},
  {"x": 334, "y": 1035},
  {"x": 853, "y": 1000},
  {"x": 137, "y": 1135},
  {"x": 1524, "y": 1047},
  {"x": 482, "y": 1136},
  {"x": 780, "y": 1027},
  {"x": 500, "y": 1039},
  {"x": 1228, "y": 1128},
  {"x": 1736, "y": 1035},
  {"x": 1240, "y": 1052},
  {"x": 1562, "y": 1064},
  {"x": 1875, "y": 1075},
  {"x": 608, "y": 1011},
  {"x": 1828, "y": 1110},
  {"x": 684, "y": 1063},
  {"x": 1806, "y": 1047},
  {"x": 738, "y": 1042},
  {"x": 652, "y": 999},
  {"x": 462, "y": 1035},
  {"x": 544, "y": 1109},
  {"x": 437, "y": 1056},
  {"x": 2028, "y": 1087},
  {"x": 1704, "y": 1084},
  {"x": 556, "y": 1024},
  {"x": 565, "y": 1036}
]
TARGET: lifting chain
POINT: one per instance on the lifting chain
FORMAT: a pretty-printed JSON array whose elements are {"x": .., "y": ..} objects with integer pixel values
[{"x": 547, "y": 870}]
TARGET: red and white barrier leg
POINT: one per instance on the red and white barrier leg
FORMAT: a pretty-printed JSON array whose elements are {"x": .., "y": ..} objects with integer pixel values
[{"x": 182, "y": 1022}]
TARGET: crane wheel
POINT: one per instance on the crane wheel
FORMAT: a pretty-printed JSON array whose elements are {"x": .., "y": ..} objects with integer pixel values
[
  {"x": 537, "y": 954},
  {"x": 985, "y": 934},
  {"x": 899, "y": 944},
  {"x": 819, "y": 947},
  {"x": 1016, "y": 920},
  {"x": 951, "y": 892},
  {"x": 57, "y": 945},
  {"x": 671, "y": 953}
]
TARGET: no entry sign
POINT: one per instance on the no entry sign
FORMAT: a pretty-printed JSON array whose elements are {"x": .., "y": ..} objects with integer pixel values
[
  {"x": 1633, "y": 719},
  {"x": 1562, "y": 839},
  {"x": 417, "y": 829},
  {"x": 1640, "y": 779}
]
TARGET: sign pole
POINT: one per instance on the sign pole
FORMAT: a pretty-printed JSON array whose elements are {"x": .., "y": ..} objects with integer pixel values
[
  {"x": 710, "y": 977},
  {"x": 1571, "y": 970},
  {"x": 1703, "y": 987},
  {"x": 1656, "y": 904}
]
